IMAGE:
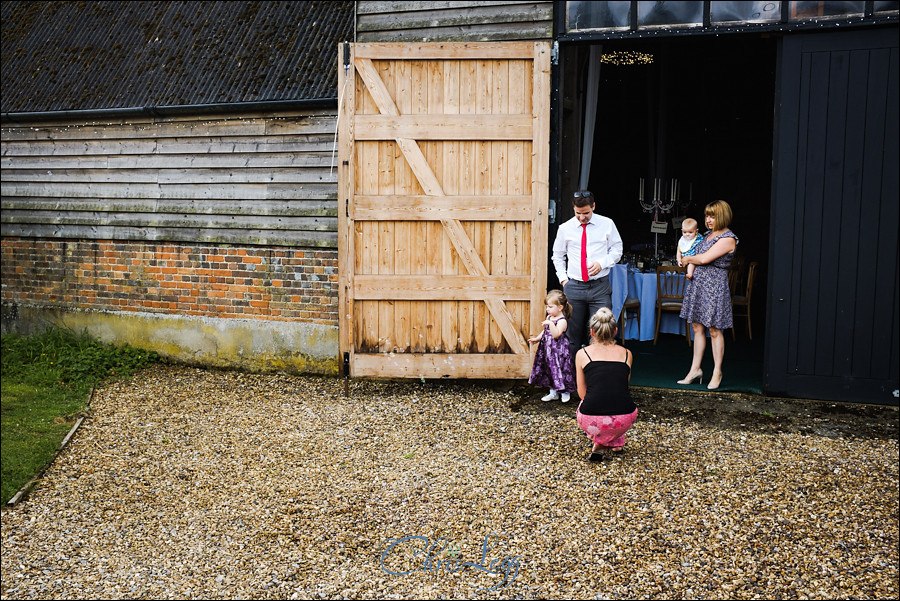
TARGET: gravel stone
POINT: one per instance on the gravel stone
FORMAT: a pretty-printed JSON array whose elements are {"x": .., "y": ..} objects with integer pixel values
[{"x": 193, "y": 484}]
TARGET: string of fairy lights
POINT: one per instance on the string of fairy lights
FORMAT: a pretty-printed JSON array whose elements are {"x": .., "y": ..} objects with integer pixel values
[{"x": 626, "y": 57}]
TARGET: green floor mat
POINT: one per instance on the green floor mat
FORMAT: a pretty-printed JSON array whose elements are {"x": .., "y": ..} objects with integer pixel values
[{"x": 662, "y": 365}]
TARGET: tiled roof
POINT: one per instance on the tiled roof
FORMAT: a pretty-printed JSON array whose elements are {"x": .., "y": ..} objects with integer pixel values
[{"x": 62, "y": 56}]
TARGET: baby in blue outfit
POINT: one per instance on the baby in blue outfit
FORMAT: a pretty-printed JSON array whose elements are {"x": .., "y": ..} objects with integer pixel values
[{"x": 687, "y": 245}]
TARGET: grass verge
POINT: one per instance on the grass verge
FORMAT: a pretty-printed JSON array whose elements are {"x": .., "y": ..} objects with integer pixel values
[{"x": 46, "y": 383}]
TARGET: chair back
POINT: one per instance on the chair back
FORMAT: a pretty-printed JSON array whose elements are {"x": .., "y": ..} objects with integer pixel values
[
  {"x": 670, "y": 282},
  {"x": 736, "y": 268},
  {"x": 751, "y": 277},
  {"x": 734, "y": 278}
]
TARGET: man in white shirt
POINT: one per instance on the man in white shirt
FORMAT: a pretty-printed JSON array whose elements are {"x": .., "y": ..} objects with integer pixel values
[{"x": 584, "y": 276}]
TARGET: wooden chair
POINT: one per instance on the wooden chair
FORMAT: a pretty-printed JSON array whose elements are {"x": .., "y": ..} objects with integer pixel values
[
  {"x": 633, "y": 305},
  {"x": 734, "y": 279},
  {"x": 743, "y": 302},
  {"x": 670, "y": 282},
  {"x": 736, "y": 273}
]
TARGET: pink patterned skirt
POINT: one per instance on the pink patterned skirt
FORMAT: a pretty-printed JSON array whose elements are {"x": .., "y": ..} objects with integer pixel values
[{"x": 607, "y": 431}]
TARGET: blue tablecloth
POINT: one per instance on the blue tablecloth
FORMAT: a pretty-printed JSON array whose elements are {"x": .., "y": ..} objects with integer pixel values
[{"x": 625, "y": 283}]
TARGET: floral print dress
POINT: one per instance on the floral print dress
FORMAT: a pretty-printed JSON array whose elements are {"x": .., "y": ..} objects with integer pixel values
[{"x": 707, "y": 299}]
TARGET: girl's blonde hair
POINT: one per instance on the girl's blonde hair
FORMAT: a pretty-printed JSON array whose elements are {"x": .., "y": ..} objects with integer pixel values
[
  {"x": 558, "y": 297},
  {"x": 603, "y": 326}
]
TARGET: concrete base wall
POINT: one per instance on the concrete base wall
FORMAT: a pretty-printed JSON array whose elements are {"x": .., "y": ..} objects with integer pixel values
[{"x": 248, "y": 344}]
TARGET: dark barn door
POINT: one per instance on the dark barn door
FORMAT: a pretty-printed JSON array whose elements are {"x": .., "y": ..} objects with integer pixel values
[{"x": 832, "y": 330}]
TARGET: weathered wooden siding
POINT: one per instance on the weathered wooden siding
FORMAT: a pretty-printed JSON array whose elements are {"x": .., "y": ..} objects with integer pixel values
[
  {"x": 395, "y": 21},
  {"x": 239, "y": 180}
]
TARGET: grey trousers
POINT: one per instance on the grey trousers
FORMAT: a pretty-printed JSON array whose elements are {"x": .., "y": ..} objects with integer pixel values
[{"x": 586, "y": 299}]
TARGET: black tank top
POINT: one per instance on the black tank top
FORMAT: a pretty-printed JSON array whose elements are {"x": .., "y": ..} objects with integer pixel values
[{"x": 607, "y": 388}]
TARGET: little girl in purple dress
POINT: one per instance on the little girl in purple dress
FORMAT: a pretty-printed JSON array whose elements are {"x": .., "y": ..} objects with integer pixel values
[{"x": 553, "y": 366}]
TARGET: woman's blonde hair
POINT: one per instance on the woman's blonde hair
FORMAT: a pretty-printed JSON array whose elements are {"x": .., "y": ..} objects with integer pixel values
[
  {"x": 603, "y": 326},
  {"x": 558, "y": 297},
  {"x": 721, "y": 212}
]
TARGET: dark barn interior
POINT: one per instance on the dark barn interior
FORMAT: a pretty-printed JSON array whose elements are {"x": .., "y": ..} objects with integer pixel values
[{"x": 702, "y": 113}]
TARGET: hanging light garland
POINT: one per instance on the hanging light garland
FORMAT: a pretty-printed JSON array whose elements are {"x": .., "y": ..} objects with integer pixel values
[{"x": 626, "y": 57}]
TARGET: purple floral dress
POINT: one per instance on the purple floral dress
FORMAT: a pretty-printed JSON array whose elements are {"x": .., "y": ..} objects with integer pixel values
[
  {"x": 707, "y": 299},
  {"x": 553, "y": 366}
]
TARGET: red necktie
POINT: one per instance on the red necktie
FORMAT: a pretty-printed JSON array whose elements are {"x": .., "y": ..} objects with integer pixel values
[{"x": 584, "y": 272}]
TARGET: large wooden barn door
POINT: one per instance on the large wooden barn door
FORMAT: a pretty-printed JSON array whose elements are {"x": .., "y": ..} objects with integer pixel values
[{"x": 443, "y": 195}]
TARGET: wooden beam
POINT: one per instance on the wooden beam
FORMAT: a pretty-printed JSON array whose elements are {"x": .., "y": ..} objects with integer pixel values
[
  {"x": 507, "y": 325},
  {"x": 346, "y": 189},
  {"x": 380, "y": 94},
  {"x": 464, "y": 248},
  {"x": 288, "y": 208},
  {"x": 164, "y": 220},
  {"x": 320, "y": 190},
  {"x": 174, "y": 234},
  {"x": 540, "y": 184},
  {"x": 441, "y": 365},
  {"x": 420, "y": 167},
  {"x": 475, "y": 266},
  {"x": 441, "y": 287},
  {"x": 408, "y": 147},
  {"x": 444, "y": 127},
  {"x": 446, "y": 50},
  {"x": 451, "y": 208}
]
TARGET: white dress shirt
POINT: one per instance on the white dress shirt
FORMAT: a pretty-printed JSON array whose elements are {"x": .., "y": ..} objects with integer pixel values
[{"x": 604, "y": 246}]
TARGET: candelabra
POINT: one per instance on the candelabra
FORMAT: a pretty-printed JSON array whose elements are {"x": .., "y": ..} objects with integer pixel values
[
  {"x": 659, "y": 203},
  {"x": 665, "y": 197},
  {"x": 684, "y": 204}
]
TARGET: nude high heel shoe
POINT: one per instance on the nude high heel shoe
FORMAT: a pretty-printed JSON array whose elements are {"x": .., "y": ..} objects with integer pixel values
[
  {"x": 692, "y": 377},
  {"x": 715, "y": 382}
]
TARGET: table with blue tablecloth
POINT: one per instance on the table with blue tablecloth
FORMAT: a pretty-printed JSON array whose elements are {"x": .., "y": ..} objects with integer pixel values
[{"x": 627, "y": 282}]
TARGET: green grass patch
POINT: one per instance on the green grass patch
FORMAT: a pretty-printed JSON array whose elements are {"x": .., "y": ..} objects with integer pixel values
[{"x": 46, "y": 380}]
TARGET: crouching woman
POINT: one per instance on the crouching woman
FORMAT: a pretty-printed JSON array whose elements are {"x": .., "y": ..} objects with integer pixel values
[{"x": 602, "y": 373}]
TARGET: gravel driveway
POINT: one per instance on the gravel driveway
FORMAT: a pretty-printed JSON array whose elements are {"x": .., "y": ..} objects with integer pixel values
[{"x": 188, "y": 483}]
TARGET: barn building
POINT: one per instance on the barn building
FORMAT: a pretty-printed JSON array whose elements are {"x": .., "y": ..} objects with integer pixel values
[
  {"x": 232, "y": 185},
  {"x": 167, "y": 176}
]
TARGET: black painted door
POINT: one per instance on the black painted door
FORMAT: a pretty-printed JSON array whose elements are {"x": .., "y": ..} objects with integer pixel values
[{"x": 832, "y": 327}]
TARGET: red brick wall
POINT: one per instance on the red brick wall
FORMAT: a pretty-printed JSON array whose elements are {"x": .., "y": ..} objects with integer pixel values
[{"x": 203, "y": 280}]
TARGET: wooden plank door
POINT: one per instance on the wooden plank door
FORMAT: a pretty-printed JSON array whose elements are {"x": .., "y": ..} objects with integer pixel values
[{"x": 443, "y": 190}]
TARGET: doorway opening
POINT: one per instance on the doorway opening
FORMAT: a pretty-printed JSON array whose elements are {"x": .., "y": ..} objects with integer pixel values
[{"x": 702, "y": 114}]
